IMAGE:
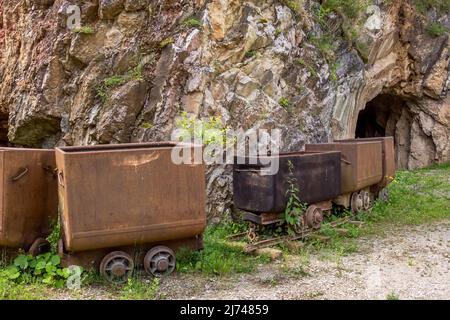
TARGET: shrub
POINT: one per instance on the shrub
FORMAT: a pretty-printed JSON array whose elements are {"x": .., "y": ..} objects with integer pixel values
[
  {"x": 166, "y": 42},
  {"x": 284, "y": 102},
  {"x": 192, "y": 23},
  {"x": 84, "y": 30},
  {"x": 117, "y": 80}
]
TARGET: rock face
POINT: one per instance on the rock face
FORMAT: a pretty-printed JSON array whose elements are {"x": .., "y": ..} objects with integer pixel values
[{"x": 134, "y": 66}]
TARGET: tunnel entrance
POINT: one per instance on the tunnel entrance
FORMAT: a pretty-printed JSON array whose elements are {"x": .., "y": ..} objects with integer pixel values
[
  {"x": 380, "y": 117},
  {"x": 390, "y": 115}
]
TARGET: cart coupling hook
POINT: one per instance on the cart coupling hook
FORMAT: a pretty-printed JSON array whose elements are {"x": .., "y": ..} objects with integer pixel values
[{"x": 21, "y": 174}]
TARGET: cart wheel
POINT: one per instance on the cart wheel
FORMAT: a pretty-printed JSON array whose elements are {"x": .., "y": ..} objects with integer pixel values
[
  {"x": 116, "y": 267},
  {"x": 367, "y": 203},
  {"x": 160, "y": 261},
  {"x": 39, "y": 246},
  {"x": 356, "y": 202},
  {"x": 313, "y": 217}
]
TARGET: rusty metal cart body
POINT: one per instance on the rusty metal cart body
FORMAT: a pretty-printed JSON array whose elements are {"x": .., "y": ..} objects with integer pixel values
[
  {"x": 263, "y": 197},
  {"x": 28, "y": 200},
  {"x": 388, "y": 163},
  {"x": 361, "y": 168},
  {"x": 126, "y": 205}
]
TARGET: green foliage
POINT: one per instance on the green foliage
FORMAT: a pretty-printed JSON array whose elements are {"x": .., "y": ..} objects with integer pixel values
[
  {"x": 103, "y": 90},
  {"x": 166, "y": 42},
  {"x": 10, "y": 290},
  {"x": 84, "y": 30},
  {"x": 415, "y": 197},
  {"x": 54, "y": 236},
  {"x": 192, "y": 23},
  {"x": 219, "y": 256},
  {"x": 278, "y": 31},
  {"x": 296, "y": 272},
  {"x": 146, "y": 125},
  {"x": 138, "y": 289},
  {"x": 435, "y": 29},
  {"x": 285, "y": 103},
  {"x": 294, "y": 207},
  {"x": 309, "y": 66},
  {"x": 422, "y": 6},
  {"x": 44, "y": 269},
  {"x": 333, "y": 71},
  {"x": 351, "y": 9},
  {"x": 294, "y": 5},
  {"x": 392, "y": 296},
  {"x": 210, "y": 130},
  {"x": 325, "y": 43},
  {"x": 251, "y": 54},
  {"x": 322, "y": 14}
]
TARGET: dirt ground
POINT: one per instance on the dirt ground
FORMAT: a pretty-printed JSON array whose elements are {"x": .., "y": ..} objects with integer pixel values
[{"x": 404, "y": 263}]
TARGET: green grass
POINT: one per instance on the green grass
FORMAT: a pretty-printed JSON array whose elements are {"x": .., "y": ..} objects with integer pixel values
[
  {"x": 435, "y": 29},
  {"x": 392, "y": 296},
  {"x": 13, "y": 291},
  {"x": 138, "y": 289},
  {"x": 416, "y": 197},
  {"x": 219, "y": 257}
]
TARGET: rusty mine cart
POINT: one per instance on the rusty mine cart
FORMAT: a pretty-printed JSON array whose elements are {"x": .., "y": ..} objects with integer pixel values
[
  {"x": 129, "y": 205},
  {"x": 28, "y": 200},
  {"x": 367, "y": 166},
  {"x": 349, "y": 173},
  {"x": 263, "y": 197}
]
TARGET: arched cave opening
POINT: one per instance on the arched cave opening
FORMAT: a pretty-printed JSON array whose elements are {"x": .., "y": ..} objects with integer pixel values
[{"x": 390, "y": 115}]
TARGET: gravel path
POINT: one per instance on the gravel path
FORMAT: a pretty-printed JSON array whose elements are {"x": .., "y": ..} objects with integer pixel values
[{"x": 405, "y": 263}]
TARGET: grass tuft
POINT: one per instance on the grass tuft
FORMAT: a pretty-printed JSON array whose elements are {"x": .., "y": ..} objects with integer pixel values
[{"x": 435, "y": 29}]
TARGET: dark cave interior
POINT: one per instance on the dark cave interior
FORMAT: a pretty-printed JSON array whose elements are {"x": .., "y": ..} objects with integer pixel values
[{"x": 388, "y": 115}]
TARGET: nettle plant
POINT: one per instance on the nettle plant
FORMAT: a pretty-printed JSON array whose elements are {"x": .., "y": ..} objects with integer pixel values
[
  {"x": 45, "y": 268},
  {"x": 294, "y": 207}
]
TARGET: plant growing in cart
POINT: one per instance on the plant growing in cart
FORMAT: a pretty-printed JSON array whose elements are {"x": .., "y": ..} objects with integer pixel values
[{"x": 295, "y": 207}]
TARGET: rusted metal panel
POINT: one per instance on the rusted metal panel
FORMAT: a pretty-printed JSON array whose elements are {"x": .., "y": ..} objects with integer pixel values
[
  {"x": 28, "y": 202},
  {"x": 387, "y": 144},
  {"x": 317, "y": 177},
  {"x": 129, "y": 194},
  {"x": 361, "y": 162}
]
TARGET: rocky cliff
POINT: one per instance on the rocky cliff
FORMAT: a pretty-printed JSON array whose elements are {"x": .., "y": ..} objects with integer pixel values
[{"x": 316, "y": 70}]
